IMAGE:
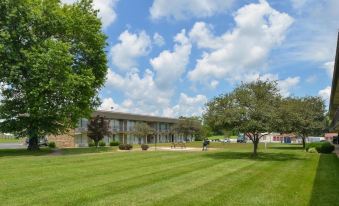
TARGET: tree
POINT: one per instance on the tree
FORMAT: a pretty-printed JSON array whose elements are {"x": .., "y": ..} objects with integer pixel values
[
  {"x": 142, "y": 129},
  {"x": 52, "y": 65},
  {"x": 251, "y": 108},
  {"x": 188, "y": 126},
  {"x": 97, "y": 129},
  {"x": 304, "y": 116}
]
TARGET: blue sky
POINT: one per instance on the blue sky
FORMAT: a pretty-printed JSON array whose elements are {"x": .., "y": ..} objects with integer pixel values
[{"x": 169, "y": 57}]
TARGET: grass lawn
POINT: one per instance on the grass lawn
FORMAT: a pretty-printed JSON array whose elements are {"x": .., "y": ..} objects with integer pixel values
[
  {"x": 10, "y": 140},
  {"x": 282, "y": 175}
]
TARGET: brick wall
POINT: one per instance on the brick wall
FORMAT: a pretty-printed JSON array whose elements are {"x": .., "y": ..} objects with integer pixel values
[{"x": 64, "y": 140}]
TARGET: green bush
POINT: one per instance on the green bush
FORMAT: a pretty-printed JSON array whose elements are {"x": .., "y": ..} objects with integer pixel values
[
  {"x": 144, "y": 147},
  {"x": 125, "y": 146},
  {"x": 114, "y": 143},
  {"x": 91, "y": 144},
  {"x": 312, "y": 150},
  {"x": 51, "y": 145},
  {"x": 321, "y": 147},
  {"x": 102, "y": 144}
]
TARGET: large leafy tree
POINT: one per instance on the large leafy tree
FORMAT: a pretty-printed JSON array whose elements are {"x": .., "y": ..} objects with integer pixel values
[
  {"x": 98, "y": 128},
  {"x": 304, "y": 116},
  {"x": 142, "y": 130},
  {"x": 251, "y": 108},
  {"x": 52, "y": 63}
]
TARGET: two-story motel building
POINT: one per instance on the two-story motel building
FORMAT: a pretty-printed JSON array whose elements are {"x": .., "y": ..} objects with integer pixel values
[{"x": 121, "y": 126}]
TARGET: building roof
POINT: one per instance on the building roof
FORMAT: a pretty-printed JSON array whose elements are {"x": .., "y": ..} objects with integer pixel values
[
  {"x": 130, "y": 116},
  {"x": 334, "y": 99}
]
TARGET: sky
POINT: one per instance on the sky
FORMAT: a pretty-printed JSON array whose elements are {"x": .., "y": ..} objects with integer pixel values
[{"x": 169, "y": 58}]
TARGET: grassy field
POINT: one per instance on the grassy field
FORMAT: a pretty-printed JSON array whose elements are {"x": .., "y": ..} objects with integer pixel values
[
  {"x": 10, "y": 140},
  {"x": 282, "y": 175}
]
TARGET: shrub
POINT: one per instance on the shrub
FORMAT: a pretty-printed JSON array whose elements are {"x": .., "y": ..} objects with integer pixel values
[
  {"x": 91, "y": 144},
  {"x": 102, "y": 144},
  {"x": 321, "y": 147},
  {"x": 312, "y": 150},
  {"x": 125, "y": 147},
  {"x": 114, "y": 143},
  {"x": 144, "y": 147},
  {"x": 51, "y": 145}
]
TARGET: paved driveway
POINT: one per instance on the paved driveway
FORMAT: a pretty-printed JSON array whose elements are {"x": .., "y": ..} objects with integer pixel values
[{"x": 12, "y": 145}]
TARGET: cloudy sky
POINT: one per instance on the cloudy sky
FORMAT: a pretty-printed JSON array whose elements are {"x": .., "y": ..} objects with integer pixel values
[{"x": 170, "y": 57}]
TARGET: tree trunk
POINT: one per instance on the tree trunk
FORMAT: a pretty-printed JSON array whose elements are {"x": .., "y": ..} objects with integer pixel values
[
  {"x": 146, "y": 139},
  {"x": 255, "y": 148},
  {"x": 96, "y": 143},
  {"x": 33, "y": 143},
  {"x": 304, "y": 142}
]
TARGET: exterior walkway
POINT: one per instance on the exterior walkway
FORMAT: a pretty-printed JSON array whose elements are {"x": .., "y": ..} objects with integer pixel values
[{"x": 336, "y": 149}]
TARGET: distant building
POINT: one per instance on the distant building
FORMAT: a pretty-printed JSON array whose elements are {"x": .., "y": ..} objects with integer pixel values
[{"x": 121, "y": 125}]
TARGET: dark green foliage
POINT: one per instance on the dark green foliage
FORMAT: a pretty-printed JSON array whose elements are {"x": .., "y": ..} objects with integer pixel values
[
  {"x": 125, "y": 146},
  {"x": 304, "y": 116},
  {"x": 52, "y": 64},
  {"x": 321, "y": 147},
  {"x": 102, "y": 144},
  {"x": 98, "y": 128},
  {"x": 91, "y": 144},
  {"x": 114, "y": 143},
  {"x": 251, "y": 108},
  {"x": 144, "y": 147},
  {"x": 51, "y": 145}
]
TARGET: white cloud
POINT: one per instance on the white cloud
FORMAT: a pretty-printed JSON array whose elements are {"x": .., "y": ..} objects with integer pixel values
[
  {"x": 329, "y": 67},
  {"x": 106, "y": 9},
  {"x": 158, "y": 39},
  {"x": 325, "y": 93},
  {"x": 141, "y": 91},
  {"x": 259, "y": 28},
  {"x": 143, "y": 96},
  {"x": 169, "y": 66},
  {"x": 315, "y": 31},
  {"x": 183, "y": 9},
  {"x": 284, "y": 85},
  {"x": 187, "y": 106},
  {"x": 130, "y": 47},
  {"x": 298, "y": 4},
  {"x": 287, "y": 84}
]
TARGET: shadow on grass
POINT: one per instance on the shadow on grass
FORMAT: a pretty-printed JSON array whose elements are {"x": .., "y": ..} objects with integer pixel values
[
  {"x": 298, "y": 147},
  {"x": 248, "y": 155},
  {"x": 23, "y": 152},
  {"x": 326, "y": 183}
]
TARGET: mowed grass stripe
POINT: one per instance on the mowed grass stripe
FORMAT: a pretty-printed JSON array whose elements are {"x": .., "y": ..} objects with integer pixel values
[
  {"x": 66, "y": 170},
  {"x": 93, "y": 179},
  {"x": 172, "y": 184},
  {"x": 70, "y": 172}
]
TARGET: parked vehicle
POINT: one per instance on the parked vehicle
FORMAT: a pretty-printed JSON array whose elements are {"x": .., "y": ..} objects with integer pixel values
[
  {"x": 241, "y": 138},
  {"x": 226, "y": 140}
]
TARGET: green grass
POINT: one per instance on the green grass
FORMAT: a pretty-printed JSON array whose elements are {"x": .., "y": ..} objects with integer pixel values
[
  {"x": 10, "y": 140},
  {"x": 216, "y": 137},
  {"x": 281, "y": 175}
]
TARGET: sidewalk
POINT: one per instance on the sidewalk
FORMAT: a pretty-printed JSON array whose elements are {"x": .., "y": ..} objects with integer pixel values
[{"x": 336, "y": 149}]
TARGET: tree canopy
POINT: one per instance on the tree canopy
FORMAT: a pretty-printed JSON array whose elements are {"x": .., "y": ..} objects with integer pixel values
[
  {"x": 251, "y": 108},
  {"x": 304, "y": 116},
  {"x": 52, "y": 65},
  {"x": 187, "y": 126}
]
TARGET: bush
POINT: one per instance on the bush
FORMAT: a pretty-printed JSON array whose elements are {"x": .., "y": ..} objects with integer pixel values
[
  {"x": 91, "y": 144},
  {"x": 125, "y": 147},
  {"x": 312, "y": 150},
  {"x": 102, "y": 144},
  {"x": 321, "y": 147},
  {"x": 144, "y": 147},
  {"x": 114, "y": 143},
  {"x": 51, "y": 145}
]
